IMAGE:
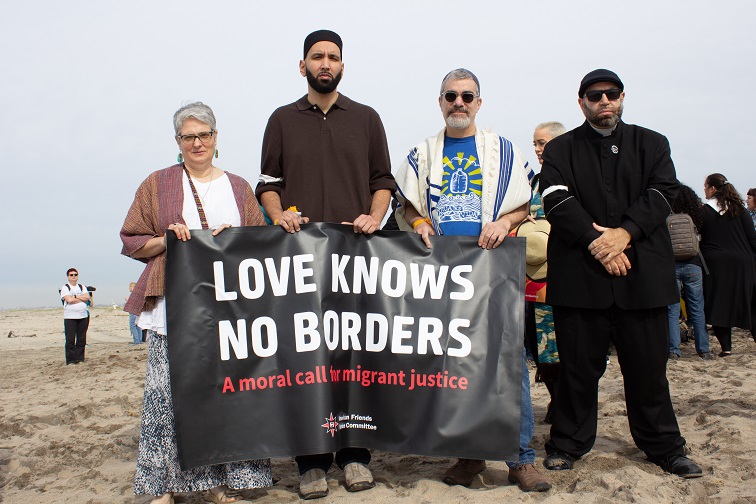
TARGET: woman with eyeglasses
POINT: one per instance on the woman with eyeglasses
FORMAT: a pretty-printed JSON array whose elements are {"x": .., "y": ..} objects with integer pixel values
[
  {"x": 193, "y": 194},
  {"x": 75, "y": 317},
  {"x": 728, "y": 244}
]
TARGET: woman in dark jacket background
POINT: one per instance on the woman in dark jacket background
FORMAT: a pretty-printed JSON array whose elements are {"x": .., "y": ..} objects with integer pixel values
[{"x": 728, "y": 243}]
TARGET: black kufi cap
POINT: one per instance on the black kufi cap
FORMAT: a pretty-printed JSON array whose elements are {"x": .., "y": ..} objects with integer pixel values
[
  {"x": 319, "y": 36},
  {"x": 599, "y": 75}
]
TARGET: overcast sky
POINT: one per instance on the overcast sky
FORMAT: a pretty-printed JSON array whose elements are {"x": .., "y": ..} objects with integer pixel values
[{"x": 89, "y": 89}]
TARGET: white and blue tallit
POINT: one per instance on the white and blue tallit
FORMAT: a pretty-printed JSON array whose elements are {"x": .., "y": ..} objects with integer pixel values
[{"x": 505, "y": 178}]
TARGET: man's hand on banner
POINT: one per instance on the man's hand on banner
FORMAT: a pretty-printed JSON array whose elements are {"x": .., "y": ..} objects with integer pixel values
[
  {"x": 365, "y": 224},
  {"x": 290, "y": 220},
  {"x": 493, "y": 233},
  {"x": 423, "y": 228}
]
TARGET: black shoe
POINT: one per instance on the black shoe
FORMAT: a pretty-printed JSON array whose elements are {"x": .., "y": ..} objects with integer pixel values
[
  {"x": 679, "y": 465},
  {"x": 725, "y": 353},
  {"x": 558, "y": 461}
]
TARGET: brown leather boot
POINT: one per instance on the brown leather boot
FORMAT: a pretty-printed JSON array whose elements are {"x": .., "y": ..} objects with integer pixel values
[
  {"x": 464, "y": 471},
  {"x": 528, "y": 478}
]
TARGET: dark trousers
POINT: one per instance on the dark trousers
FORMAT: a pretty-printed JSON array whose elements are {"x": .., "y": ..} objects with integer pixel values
[
  {"x": 641, "y": 338},
  {"x": 76, "y": 338},
  {"x": 324, "y": 460},
  {"x": 724, "y": 336},
  {"x": 531, "y": 334}
]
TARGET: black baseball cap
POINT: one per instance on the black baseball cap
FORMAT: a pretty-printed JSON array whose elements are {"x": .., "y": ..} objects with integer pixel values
[{"x": 599, "y": 75}]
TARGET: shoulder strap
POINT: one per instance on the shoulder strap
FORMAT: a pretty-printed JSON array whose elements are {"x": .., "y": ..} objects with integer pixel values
[
  {"x": 703, "y": 261},
  {"x": 657, "y": 191},
  {"x": 200, "y": 210}
]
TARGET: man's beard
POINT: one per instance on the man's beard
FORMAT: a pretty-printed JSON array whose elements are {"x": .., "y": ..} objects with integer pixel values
[
  {"x": 457, "y": 122},
  {"x": 604, "y": 122},
  {"x": 322, "y": 87}
]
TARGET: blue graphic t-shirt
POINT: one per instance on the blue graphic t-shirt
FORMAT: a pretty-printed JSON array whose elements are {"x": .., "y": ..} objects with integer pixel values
[{"x": 459, "y": 207}]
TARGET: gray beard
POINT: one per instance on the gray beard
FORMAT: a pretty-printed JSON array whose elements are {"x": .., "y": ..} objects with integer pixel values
[
  {"x": 606, "y": 122},
  {"x": 455, "y": 122}
]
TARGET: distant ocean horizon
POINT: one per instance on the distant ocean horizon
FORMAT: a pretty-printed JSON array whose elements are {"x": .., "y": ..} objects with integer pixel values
[{"x": 41, "y": 297}]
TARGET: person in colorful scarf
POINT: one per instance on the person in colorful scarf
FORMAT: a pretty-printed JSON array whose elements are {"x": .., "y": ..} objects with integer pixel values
[
  {"x": 193, "y": 194},
  {"x": 540, "y": 315}
]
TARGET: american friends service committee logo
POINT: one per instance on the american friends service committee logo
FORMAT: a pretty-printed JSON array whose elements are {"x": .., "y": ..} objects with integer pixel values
[{"x": 347, "y": 421}]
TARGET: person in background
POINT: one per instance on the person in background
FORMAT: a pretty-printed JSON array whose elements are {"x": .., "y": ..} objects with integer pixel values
[
  {"x": 325, "y": 159},
  {"x": 441, "y": 193},
  {"x": 137, "y": 334},
  {"x": 75, "y": 317},
  {"x": 193, "y": 194},
  {"x": 690, "y": 281},
  {"x": 751, "y": 204},
  {"x": 728, "y": 244},
  {"x": 539, "y": 316}
]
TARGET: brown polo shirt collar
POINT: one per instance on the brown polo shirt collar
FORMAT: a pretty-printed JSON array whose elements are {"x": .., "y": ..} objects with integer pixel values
[{"x": 342, "y": 102}]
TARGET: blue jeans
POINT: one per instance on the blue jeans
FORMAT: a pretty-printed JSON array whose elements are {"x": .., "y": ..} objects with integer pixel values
[
  {"x": 136, "y": 332},
  {"x": 689, "y": 277},
  {"x": 527, "y": 454}
]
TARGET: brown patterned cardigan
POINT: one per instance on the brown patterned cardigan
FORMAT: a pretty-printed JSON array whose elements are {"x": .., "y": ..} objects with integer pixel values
[{"x": 158, "y": 204}]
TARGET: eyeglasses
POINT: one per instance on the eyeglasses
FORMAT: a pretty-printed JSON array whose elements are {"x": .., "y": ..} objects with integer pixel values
[
  {"x": 595, "y": 95},
  {"x": 451, "y": 96},
  {"x": 73, "y": 274},
  {"x": 203, "y": 137}
]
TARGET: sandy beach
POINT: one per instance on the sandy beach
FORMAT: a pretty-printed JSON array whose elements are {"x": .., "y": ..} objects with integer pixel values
[{"x": 69, "y": 434}]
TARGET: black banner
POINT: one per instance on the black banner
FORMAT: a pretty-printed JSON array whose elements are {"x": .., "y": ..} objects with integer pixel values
[{"x": 292, "y": 344}]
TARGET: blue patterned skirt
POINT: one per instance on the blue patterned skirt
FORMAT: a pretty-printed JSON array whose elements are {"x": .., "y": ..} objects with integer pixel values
[{"x": 157, "y": 469}]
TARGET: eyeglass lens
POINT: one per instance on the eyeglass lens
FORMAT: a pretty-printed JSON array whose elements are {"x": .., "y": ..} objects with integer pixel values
[
  {"x": 595, "y": 95},
  {"x": 204, "y": 137},
  {"x": 451, "y": 96}
]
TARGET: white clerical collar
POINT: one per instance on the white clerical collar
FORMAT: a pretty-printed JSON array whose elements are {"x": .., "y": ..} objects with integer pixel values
[{"x": 603, "y": 131}]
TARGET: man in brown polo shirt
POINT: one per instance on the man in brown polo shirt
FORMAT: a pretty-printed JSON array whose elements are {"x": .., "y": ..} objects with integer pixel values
[
  {"x": 325, "y": 159},
  {"x": 325, "y": 154}
]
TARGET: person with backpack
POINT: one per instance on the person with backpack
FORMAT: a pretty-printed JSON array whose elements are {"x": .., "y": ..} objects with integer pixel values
[
  {"x": 728, "y": 243},
  {"x": 689, "y": 271},
  {"x": 75, "y": 317}
]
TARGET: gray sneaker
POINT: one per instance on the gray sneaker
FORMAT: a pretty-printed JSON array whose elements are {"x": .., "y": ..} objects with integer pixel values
[
  {"x": 358, "y": 477},
  {"x": 313, "y": 484}
]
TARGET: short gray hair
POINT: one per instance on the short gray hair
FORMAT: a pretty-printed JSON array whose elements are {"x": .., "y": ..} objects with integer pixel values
[
  {"x": 553, "y": 128},
  {"x": 459, "y": 74},
  {"x": 196, "y": 110}
]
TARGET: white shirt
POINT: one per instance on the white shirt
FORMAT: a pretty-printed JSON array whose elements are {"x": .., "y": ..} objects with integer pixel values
[
  {"x": 218, "y": 202},
  {"x": 74, "y": 310}
]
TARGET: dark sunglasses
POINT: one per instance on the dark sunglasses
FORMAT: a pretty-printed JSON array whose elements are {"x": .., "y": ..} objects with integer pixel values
[
  {"x": 73, "y": 274},
  {"x": 595, "y": 95},
  {"x": 451, "y": 96}
]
